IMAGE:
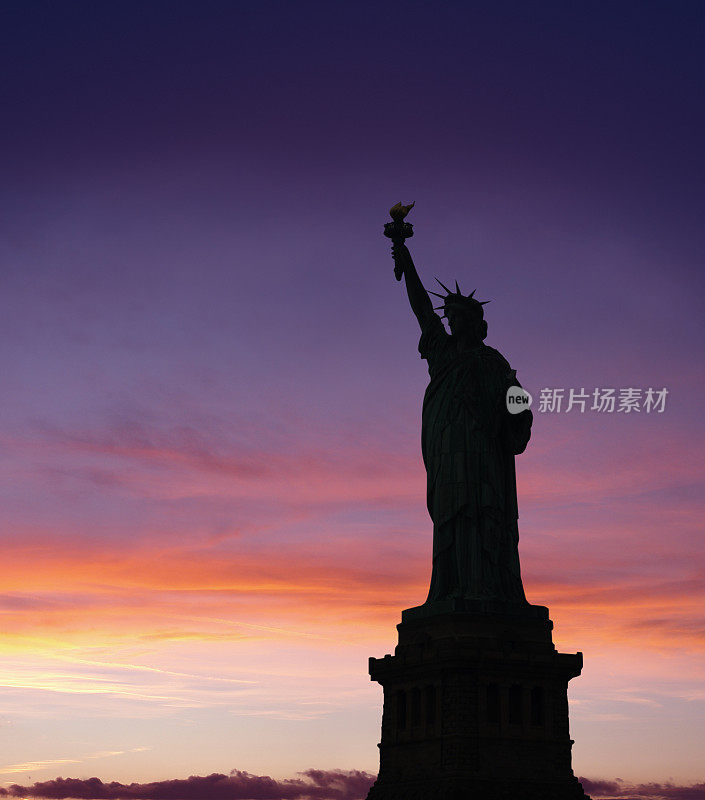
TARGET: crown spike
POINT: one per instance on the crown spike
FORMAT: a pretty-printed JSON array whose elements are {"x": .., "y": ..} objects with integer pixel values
[
  {"x": 444, "y": 286},
  {"x": 484, "y": 302},
  {"x": 435, "y": 294},
  {"x": 457, "y": 288},
  {"x": 438, "y": 308},
  {"x": 472, "y": 292}
]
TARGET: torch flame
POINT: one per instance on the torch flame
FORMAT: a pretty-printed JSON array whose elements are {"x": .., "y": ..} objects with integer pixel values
[{"x": 398, "y": 211}]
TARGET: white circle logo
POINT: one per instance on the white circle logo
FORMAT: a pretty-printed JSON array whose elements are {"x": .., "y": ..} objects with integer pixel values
[{"x": 518, "y": 400}]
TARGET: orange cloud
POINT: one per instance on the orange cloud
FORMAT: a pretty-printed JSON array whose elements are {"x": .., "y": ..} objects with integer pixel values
[{"x": 195, "y": 541}]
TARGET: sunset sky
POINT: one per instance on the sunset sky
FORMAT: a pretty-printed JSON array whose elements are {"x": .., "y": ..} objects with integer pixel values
[{"x": 212, "y": 499}]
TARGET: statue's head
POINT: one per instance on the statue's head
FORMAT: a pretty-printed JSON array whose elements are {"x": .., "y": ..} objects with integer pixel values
[{"x": 465, "y": 315}]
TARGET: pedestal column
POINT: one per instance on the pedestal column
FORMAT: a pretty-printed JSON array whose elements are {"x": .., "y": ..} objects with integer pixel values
[{"x": 475, "y": 706}]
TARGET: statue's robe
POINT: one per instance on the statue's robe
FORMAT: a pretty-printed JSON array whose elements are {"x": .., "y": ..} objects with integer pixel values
[{"x": 469, "y": 441}]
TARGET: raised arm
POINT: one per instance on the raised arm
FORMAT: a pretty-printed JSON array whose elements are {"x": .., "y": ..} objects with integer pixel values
[{"x": 420, "y": 302}]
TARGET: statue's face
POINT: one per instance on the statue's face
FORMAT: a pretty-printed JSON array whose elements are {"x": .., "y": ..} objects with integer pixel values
[{"x": 464, "y": 324}]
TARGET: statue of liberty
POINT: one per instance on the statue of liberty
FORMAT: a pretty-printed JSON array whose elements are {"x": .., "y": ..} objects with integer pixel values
[
  {"x": 475, "y": 694},
  {"x": 469, "y": 440}
]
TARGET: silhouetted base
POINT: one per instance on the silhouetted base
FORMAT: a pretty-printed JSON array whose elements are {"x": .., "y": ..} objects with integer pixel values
[
  {"x": 475, "y": 706},
  {"x": 477, "y": 605},
  {"x": 468, "y": 788}
]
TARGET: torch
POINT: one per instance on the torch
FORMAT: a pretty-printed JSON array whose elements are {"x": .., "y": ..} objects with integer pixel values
[{"x": 397, "y": 230}]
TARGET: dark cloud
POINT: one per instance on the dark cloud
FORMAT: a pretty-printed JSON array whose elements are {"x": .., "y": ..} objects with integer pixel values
[
  {"x": 600, "y": 788},
  {"x": 313, "y": 785},
  {"x": 643, "y": 791}
]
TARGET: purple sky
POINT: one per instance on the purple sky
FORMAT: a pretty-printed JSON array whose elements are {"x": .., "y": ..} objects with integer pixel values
[{"x": 211, "y": 490}]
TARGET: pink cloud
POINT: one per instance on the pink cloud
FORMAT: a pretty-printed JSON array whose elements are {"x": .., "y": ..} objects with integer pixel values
[
  {"x": 314, "y": 785},
  {"x": 605, "y": 789}
]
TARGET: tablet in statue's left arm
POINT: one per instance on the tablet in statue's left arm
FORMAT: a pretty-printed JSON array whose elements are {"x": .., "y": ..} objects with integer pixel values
[{"x": 516, "y": 428}]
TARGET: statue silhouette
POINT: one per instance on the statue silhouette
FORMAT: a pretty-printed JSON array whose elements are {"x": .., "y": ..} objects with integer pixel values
[
  {"x": 475, "y": 694},
  {"x": 469, "y": 440}
]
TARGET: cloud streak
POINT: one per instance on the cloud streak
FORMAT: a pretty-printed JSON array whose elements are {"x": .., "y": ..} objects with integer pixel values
[
  {"x": 313, "y": 785},
  {"x": 606, "y": 790}
]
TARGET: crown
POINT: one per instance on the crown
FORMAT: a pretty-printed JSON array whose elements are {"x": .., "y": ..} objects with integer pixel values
[{"x": 457, "y": 298}]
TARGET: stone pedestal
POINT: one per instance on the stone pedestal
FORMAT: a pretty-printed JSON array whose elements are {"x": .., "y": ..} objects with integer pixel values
[{"x": 475, "y": 706}]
